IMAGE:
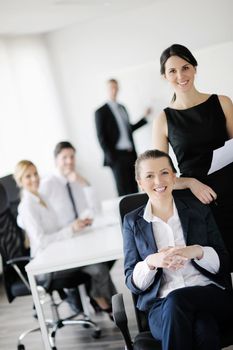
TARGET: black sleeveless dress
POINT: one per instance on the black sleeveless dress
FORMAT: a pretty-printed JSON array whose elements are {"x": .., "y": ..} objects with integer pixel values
[{"x": 194, "y": 134}]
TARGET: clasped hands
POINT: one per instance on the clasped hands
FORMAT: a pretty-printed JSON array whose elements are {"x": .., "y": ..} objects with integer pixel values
[
  {"x": 80, "y": 224},
  {"x": 174, "y": 258}
]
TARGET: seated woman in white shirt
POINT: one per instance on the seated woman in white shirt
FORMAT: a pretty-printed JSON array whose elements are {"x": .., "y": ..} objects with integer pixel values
[
  {"x": 175, "y": 261},
  {"x": 39, "y": 221}
]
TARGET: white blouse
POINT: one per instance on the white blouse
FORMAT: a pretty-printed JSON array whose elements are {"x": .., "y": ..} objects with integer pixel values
[
  {"x": 171, "y": 234},
  {"x": 40, "y": 223}
]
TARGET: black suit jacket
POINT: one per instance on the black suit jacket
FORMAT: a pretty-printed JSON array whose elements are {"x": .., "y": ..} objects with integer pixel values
[
  {"x": 198, "y": 226},
  {"x": 108, "y": 132}
]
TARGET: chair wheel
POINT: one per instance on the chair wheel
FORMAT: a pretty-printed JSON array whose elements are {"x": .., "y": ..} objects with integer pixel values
[
  {"x": 21, "y": 347},
  {"x": 96, "y": 334}
]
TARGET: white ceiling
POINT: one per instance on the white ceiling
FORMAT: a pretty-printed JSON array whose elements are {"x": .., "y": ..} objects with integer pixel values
[{"x": 19, "y": 17}]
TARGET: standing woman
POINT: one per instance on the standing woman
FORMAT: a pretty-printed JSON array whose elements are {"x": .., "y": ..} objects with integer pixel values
[
  {"x": 40, "y": 222},
  {"x": 195, "y": 124}
]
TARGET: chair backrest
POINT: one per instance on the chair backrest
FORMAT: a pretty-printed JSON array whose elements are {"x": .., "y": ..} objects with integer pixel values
[
  {"x": 126, "y": 205},
  {"x": 12, "y": 192},
  {"x": 11, "y": 242},
  {"x": 130, "y": 202}
]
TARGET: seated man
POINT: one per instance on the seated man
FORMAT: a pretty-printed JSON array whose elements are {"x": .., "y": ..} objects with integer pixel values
[
  {"x": 70, "y": 196},
  {"x": 176, "y": 262},
  {"x": 67, "y": 191}
]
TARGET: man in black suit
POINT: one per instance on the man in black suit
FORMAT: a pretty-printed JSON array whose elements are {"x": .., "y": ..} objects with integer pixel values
[{"x": 114, "y": 133}]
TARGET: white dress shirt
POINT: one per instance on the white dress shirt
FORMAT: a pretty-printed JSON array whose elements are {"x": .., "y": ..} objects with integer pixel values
[
  {"x": 171, "y": 234},
  {"x": 124, "y": 142},
  {"x": 40, "y": 223},
  {"x": 55, "y": 191}
]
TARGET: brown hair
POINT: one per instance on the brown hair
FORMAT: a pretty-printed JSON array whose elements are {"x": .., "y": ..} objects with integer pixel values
[
  {"x": 62, "y": 145},
  {"x": 112, "y": 80},
  {"x": 152, "y": 154}
]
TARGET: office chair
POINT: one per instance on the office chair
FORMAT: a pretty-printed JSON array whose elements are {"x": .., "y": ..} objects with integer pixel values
[
  {"x": 12, "y": 192},
  {"x": 144, "y": 339},
  {"x": 13, "y": 197},
  {"x": 15, "y": 257}
]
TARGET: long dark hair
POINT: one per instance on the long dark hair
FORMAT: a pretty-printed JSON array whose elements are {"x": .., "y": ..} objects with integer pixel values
[{"x": 176, "y": 50}]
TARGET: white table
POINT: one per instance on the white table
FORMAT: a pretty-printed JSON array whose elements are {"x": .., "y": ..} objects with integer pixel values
[{"x": 98, "y": 243}]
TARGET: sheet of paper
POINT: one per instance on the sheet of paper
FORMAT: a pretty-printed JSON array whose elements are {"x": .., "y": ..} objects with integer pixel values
[{"x": 222, "y": 156}]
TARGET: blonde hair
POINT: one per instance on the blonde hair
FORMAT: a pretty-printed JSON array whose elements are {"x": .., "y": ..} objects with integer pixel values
[{"x": 20, "y": 169}]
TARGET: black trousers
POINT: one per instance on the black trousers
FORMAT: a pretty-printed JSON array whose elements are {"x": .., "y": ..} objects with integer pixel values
[
  {"x": 222, "y": 183},
  {"x": 124, "y": 173},
  {"x": 189, "y": 318}
]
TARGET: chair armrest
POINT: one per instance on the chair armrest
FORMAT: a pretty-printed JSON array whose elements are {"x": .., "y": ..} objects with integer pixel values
[
  {"x": 25, "y": 259},
  {"x": 19, "y": 259},
  {"x": 120, "y": 319},
  {"x": 15, "y": 264}
]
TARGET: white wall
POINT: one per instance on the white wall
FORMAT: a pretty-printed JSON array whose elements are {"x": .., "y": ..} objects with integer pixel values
[
  {"x": 215, "y": 73},
  {"x": 30, "y": 111},
  {"x": 127, "y": 47}
]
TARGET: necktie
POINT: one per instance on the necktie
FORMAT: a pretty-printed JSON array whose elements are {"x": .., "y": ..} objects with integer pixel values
[
  {"x": 72, "y": 200},
  {"x": 123, "y": 115}
]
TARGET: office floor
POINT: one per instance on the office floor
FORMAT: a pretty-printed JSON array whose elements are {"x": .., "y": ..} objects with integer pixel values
[{"x": 16, "y": 317}]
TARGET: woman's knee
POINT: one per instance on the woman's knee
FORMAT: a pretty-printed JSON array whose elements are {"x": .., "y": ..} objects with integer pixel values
[{"x": 174, "y": 299}]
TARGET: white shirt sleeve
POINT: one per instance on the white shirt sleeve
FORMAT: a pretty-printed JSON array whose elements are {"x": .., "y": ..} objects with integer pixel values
[
  {"x": 92, "y": 201},
  {"x": 210, "y": 260},
  {"x": 29, "y": 219},
  {"x": 143, "y": 277}
]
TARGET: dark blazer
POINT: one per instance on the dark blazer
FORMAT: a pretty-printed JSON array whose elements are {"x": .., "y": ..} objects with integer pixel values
[
  {"x": 198, "y": 226},
  {"x": 108, "y": 132}
]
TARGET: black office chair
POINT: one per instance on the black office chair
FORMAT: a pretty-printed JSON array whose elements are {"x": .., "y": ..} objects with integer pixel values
[
  {"x": 13, "y": 197},
  {"x": 12, "y": 192},
  {"x": 15, "y": 257},
  {"x": 144, "y": 339}
]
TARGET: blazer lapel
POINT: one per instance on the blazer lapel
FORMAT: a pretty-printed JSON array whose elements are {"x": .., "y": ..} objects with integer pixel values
[
  {"x": 146, "y": 233},
  {"x": 184, "y": 215},
  {"x": 109, "y": 112}
]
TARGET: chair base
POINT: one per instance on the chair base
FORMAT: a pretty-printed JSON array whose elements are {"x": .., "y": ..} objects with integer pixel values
[
  {"x": 20, "y": 346},
  {"x": 85, "y": 322},
  {"x": 53, "y": 326}
]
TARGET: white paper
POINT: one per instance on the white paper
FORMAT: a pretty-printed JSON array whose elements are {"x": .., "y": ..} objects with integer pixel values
[{"x": 222, "y": 156}]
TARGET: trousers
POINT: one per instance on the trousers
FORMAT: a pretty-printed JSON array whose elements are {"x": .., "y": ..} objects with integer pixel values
[
  {"x": 124, "y": 173},
  {"x": 189, "y": 318},
  {"x": 100, "y": 285},
  {"x": 101, "y": 282}
]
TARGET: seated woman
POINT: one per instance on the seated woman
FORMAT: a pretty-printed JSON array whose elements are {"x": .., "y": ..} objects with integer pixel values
[
  {"x": 39, "y": 221},
  {"x": 175, "y": 261}
]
